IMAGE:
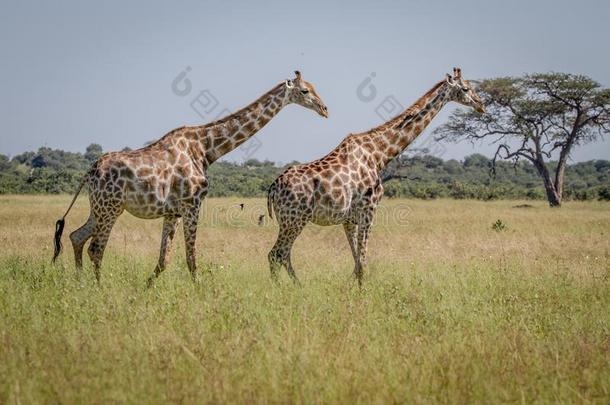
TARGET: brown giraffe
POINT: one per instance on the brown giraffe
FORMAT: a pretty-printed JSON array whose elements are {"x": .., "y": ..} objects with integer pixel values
[
  {"x": 344, "y": 187},
  {"x": 168, "y": 178}
]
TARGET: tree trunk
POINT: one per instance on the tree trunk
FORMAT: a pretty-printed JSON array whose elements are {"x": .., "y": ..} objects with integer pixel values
[
  {"x": 552, "y": 195},
  {"x": 561, "y": 166}
]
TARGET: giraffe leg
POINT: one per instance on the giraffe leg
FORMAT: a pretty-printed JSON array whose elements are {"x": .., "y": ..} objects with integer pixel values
[
  {"x": 78, "y": 238},
  {"x": 280, "y": 253},
  {"x": 351, "y": 232},
  {"x": 169, "y": 231},
  {"x": 290, "y": 270},
  {"x": 274, "y": 262},
  {"x": 103, "y": 227},
  {"x": 364, "y": 226},
  {"x": 274, "y": 256},
  {"x": 191, "y": 217}
]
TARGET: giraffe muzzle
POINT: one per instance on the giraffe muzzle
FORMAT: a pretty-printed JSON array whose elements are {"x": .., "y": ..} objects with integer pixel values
[{"x": 324, "y": 111}]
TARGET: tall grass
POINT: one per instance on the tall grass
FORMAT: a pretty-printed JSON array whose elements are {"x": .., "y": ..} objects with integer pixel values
[{"x": 452, "y": 310}]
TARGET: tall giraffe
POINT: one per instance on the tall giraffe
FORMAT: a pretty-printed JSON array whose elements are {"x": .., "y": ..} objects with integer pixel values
[
  {"x": 168, "y": 178},
  {"x": 344, "y": 187}
]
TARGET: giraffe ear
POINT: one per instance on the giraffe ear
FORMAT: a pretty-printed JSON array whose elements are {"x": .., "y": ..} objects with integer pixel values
[
  {"x": 289, "y": 83},
  {"x": 449, "y": 79}
]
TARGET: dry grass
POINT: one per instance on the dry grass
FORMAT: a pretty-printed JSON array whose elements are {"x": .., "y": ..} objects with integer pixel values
[{"x": 452, "y": 311}]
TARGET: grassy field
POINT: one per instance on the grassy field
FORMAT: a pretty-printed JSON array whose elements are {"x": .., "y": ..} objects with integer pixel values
[{"x": 452, "y": 311}]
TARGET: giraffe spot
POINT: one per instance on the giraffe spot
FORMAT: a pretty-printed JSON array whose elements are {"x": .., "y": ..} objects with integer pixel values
[
  {"x": 196, "y": 153},
  {"x": 182, "y": 171},
  {"x": 250, "y": 127},
  {"x": 225, "y": 148},
  {"x": 183, "y": 160},
  {"x": 165, "y": 173},
  {"x": 144, "y": 171}
]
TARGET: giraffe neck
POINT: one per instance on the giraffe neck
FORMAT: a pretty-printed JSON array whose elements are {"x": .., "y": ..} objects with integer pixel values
[
  {"x": 222, "y": 136},
  {"x": 395, "y": 135}
]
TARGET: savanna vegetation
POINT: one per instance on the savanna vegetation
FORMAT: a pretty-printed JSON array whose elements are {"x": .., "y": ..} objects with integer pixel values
[
  {"x": 465, "y": 302},
  {"x": 482, "y": 294},
  {"x": 51, "y": 171}
]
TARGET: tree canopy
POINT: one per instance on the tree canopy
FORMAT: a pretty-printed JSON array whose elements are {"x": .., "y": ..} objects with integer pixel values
[{"x": 537, "y": 118}]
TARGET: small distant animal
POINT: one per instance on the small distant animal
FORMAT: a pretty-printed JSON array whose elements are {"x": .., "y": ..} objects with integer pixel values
[
  {"x": 523, "y": 206},
  {"x": 261, "y": 220},
  {"x": 241, "y": 206}
]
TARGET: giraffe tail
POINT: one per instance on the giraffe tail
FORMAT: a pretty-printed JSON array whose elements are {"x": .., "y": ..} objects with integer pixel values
[
  {"x": 270, "y": 195},
  {"x": 59, "y": 225}
]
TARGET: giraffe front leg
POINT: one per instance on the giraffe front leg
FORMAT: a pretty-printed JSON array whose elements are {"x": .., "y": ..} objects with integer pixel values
[
  {"x": 167, "y": 236},
  {"x": 191, "y": 217},
  {"x": 351, "y": 233},
  {"x": 364, "y": 226}
]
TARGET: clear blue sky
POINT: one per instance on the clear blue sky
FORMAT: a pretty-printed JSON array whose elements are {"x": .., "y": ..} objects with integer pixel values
[{"x": 77, "y": 72}]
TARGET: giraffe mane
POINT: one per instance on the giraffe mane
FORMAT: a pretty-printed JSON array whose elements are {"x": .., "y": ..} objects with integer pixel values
[
  {"x": 406, "y": 114},
  {"x": 241, "y": 110},
  {"x": 216, "y": 122}
]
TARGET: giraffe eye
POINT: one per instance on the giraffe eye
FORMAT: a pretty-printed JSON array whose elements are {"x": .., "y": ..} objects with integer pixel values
[
  {"x": 304, "y": 92},
  {"x": 464, "y": 89}
]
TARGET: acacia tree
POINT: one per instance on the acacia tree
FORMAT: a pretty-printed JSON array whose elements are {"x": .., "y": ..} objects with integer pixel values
[{"x": 537, "y": 117}]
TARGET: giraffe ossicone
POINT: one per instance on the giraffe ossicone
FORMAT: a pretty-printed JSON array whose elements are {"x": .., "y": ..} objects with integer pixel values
[
  {"x": 168, "y": 178},
  {"x": 344, "y": 187}
]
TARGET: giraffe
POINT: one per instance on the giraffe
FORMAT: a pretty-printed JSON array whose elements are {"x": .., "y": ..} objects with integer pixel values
[
  {"x": 168, "y": 178},
  {"x": 344, "y": 187}
]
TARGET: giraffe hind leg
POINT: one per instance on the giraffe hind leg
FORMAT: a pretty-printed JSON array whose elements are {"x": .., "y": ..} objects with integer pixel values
[
  {"x": 351, "y": 233},
  {"x": 280, "y": 253},
  {"x": 291, "y": 272},
  {"x": 78, "y": 238},
  {"x": 189, "y": 225},
  {"x": 103, "y": 227},
  {"x": 169, "y": 231}
]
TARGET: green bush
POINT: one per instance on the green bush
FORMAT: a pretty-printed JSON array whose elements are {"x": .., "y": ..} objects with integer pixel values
[{"x": 427, "y": 177}]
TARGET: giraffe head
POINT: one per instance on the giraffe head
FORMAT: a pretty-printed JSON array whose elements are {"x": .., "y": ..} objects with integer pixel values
[
  {"x": 462, "y": 92},
  {"x": 300, "y": 92}
]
